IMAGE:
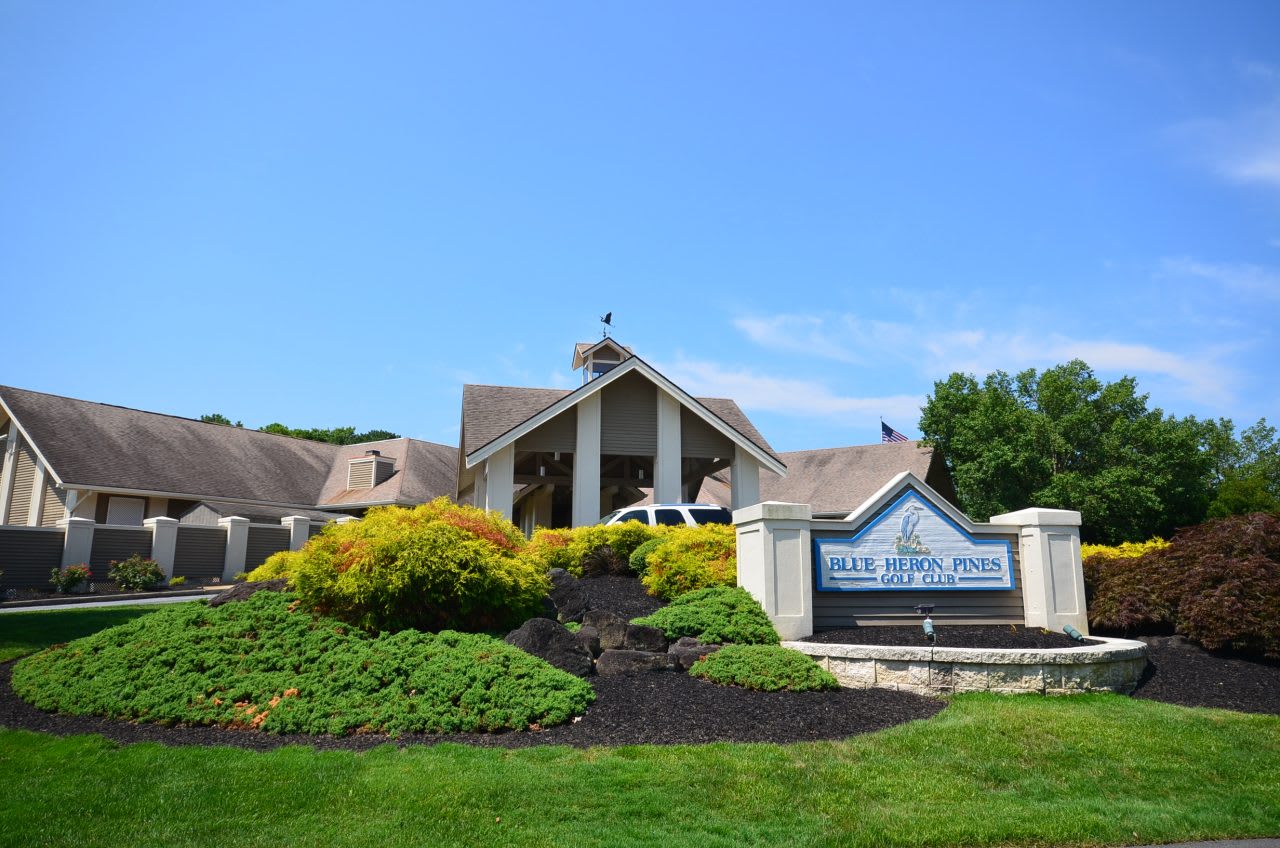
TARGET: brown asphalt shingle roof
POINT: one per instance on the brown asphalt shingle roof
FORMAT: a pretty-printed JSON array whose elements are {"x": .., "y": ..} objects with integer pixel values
[
  {"x": 833, "y": 479},
  {"x": 98, "y": 445}
]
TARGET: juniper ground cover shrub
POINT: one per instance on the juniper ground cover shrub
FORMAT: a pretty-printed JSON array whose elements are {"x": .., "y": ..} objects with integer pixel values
[
  {"x": 692, "y": 558},
  {"x": 437, "y": 566},
  {"x": 1217, "y": 583},
  {"x": 768, "y": 668},
  {"x": 265, "y": 663},
  {"x": 718, "y": 615}
]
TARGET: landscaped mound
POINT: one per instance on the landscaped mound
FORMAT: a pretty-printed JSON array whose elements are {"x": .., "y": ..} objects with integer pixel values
[
  {"x": 717, "y": 615},
  {"x": 1217, "y": 583},
  {"x": 434, "y": 567},
  {"x": 262, "y": 663},
  {"x": 768, "y": 668}
]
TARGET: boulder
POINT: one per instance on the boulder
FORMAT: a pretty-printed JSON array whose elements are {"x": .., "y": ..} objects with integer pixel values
[
  {"x": 642, "y": 638},
  {"x": 570, "y": 600},
  {"x": 615, "y": 661},
  {"x": 244, "y": 591},
  {"x": 687, "y": 651},
  {"x": 590, "y": 637},
  {"x": 551, "y": 641},
  {"x": 611, "y": 627}
]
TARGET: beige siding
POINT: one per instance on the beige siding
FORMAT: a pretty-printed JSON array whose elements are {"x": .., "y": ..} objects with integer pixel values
[
  {"x": 629, "y": 417},
  {"x": 54, "y": 508},
  {"x": 558, "y": 434},
  {"x": 360, "y": 474},
  {"x": 700, "y": 439},
  {"x": 24, "y": 478}
]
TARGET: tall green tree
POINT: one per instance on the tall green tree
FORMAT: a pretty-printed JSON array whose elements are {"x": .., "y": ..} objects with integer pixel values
[
  {"x": 1065, "y": 439},
  {"x": 1246, "y": 470}
]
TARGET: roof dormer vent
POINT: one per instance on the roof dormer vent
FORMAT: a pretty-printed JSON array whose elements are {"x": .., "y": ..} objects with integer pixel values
[{"x": 372, "y": 469}]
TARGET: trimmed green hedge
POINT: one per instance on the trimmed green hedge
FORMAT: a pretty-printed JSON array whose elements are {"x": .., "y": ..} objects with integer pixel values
[
  {"x": 264, "y": 664},
  {"x": 768, "y": 668},
  {"x": 718, "y": 615}
]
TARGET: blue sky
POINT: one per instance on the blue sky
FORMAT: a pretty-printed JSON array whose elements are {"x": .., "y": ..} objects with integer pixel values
[{"x": 335, "y": 214}]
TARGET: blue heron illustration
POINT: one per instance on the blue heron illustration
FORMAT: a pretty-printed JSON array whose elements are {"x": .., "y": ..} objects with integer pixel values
[{"x": 910, "y": 519}]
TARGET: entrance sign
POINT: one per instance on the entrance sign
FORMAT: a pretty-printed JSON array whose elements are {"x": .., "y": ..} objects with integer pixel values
[{"x": 912, "y": 546}]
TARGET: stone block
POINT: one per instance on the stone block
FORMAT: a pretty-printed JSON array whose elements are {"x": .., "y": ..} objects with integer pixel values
[
  {"x": 612, "y": 628},
  {"x": 900, "y": 674},
  {"x": 969, "y": 677},
  {"x": 640, "y": 637},
  {"x": 1016, "y": 678},
  {"x": 853, "y": 674},
  {"x": 614, "y": 662},
  {"x": 942, "y": 676}
]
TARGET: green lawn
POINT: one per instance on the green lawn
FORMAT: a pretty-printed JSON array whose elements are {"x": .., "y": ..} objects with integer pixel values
[
  {"x": 22, "y": 633},
  {"x": 989, "y": 770}
]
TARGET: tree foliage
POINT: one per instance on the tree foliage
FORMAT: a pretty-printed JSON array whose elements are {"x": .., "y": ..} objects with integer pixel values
[
  {"x": 1063, "y": 438},
  {"x": 335, "y": 436}
]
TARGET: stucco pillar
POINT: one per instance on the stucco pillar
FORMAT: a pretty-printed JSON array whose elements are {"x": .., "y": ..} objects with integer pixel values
[
  {"x": 6, "y": 474},
  {"x": 1052, "y": 571},
  {"x": 744, "y": 479},
  {"x": 164, "y": 542},
  {"x": 666, "y": 462},
  {"x": 775, "y": 563},
  {"x": 500, "y": 481},
  {"x": 299, "y": 530},
  {"x": 77, "y": 542},
  {"x": 586, "y": 463},
  {"x": 237, "y": 546}
]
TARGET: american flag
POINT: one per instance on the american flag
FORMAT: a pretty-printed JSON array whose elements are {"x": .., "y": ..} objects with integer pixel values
[{"x": 888, "y": 434}]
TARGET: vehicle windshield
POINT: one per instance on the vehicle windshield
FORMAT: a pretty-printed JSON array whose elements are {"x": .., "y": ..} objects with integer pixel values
[{"x": 610, "y": 516}]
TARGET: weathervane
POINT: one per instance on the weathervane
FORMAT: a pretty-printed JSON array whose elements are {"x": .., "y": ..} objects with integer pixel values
[{"x": 607, "y": 321}]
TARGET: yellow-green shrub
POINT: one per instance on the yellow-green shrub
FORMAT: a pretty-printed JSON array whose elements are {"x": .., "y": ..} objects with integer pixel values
[
  {"x": 1125, "y": 550},
  {"x": 691, "y": 558},
  {"x": 434, "y": 567},
  {"x": 564, "y": 548},
  {"x": 279, "y": 564}
]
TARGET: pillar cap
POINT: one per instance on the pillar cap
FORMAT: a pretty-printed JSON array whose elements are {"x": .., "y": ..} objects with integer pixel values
[
  {"x": 76, "y": 522},
  {"x": 159, "y": 520},
  {"x": 1034, "y": 515},
  {"x": 232, "y": 519},
  {"x": 773, "y": 511}
]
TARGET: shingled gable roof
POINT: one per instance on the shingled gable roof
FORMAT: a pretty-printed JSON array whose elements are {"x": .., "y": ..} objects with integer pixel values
[
  {"x": 838, "y": 480},
  {"x": 99, "y": 446},
  {"x": 493, "y": 416}
]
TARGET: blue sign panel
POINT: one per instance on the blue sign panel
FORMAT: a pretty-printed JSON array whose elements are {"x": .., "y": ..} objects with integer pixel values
[{"x": 912, "y": 546}]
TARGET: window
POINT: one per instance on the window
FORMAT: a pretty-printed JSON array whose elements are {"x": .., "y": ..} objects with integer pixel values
[
  {"x": 128, "y": 511},
  {"x": 669, "y": 517},
  {"x": 712, "y": 516},
  {"x": 635, "y": 515}
]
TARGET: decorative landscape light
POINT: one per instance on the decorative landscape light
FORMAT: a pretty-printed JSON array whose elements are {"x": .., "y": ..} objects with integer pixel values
[
  {"x": 927, "y": 610},
  {"x": 1072, "y": 632}
]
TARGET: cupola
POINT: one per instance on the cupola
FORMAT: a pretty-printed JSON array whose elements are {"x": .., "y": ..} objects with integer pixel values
[{"x": 596, "y": 358}]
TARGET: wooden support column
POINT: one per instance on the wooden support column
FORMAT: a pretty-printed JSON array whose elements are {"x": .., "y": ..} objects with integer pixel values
[{"x": 586, "y": 463}]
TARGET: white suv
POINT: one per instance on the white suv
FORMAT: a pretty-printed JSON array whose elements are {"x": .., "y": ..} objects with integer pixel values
[{"x": 690, "y": 514}]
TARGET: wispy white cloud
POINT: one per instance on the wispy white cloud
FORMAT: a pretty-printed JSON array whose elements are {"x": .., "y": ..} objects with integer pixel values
[
  {"x": 1243, "y": 147},
  {"x": 788, "y": 396},
  {"x": 942, "y": 350},
  {"x": 1240, "y": 276}
]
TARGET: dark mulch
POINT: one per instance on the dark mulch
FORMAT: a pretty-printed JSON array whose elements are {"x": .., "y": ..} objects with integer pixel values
[
  {"x": 659, "y": 708},
  {"x": 625, "y": 596},
  {"x": 1188, "y": 675},
  {"x": 949, "y": 636}
]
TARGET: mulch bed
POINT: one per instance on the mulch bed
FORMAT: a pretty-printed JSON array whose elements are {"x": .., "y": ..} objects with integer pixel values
[
  {"x": 625, "y": 596},
  {"x": 658, "y": 708},
  {"x": 949, "y": 636},
  {"x": 1188, "y": 675}
]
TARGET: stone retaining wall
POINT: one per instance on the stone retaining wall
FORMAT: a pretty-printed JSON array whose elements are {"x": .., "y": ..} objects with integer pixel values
[{"x": 1114, "y": 666}]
